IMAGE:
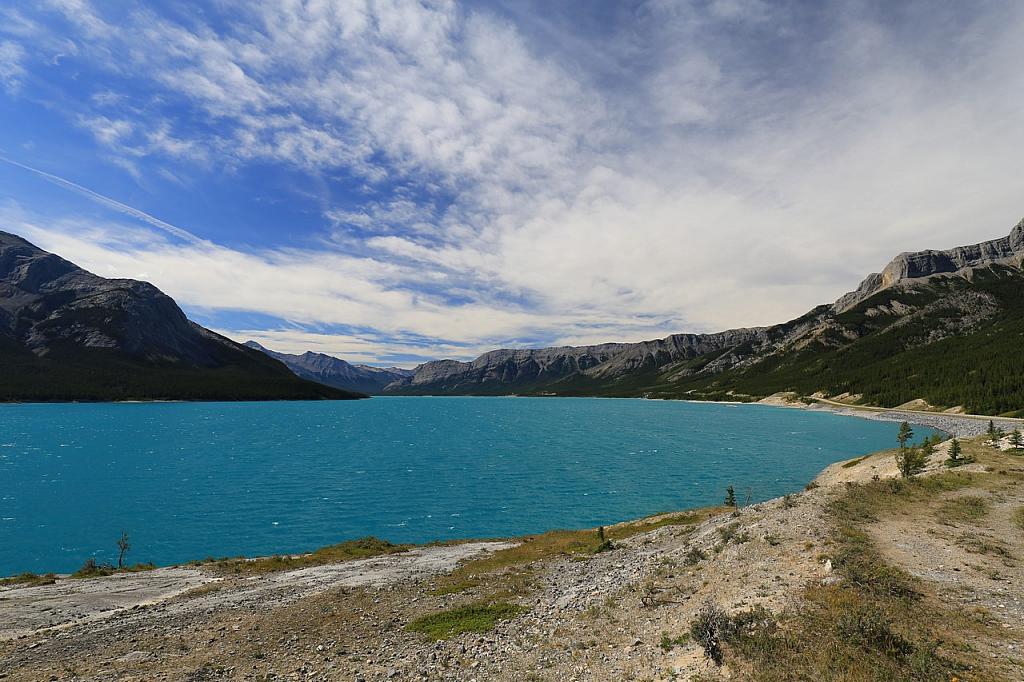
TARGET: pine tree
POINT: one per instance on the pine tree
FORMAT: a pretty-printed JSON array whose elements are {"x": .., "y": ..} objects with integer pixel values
[
  {"x": 955, "y": 454},
  {"x": 905, "y": 434},
  {"x": 1015, "y": 439},
  {"x": 730, "y": 497},
  {"x": 995, "y": 434},
  {"x": 911, "y": 461}
]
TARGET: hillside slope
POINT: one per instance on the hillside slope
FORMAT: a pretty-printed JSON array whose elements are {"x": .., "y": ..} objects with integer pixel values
[
  {"x": 945, "y": 326},
  {"x": 67, "y": 334}
]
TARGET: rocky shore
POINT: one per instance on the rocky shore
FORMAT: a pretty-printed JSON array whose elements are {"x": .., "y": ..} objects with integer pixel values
[{"x": 952, "y": 424}]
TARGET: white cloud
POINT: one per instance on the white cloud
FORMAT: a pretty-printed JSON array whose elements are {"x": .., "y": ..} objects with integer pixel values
[
  {"x": 11, "y": 68},
  {"x": 696, "y": 180}
]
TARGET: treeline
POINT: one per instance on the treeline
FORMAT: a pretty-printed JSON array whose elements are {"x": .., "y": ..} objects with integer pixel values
[
  {"x": 97, "y": 375},
  {"x": 981, "y": 368}
]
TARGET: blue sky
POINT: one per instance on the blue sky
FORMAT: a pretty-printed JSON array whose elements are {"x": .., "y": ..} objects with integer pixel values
[{"x": 392, "y": 182}]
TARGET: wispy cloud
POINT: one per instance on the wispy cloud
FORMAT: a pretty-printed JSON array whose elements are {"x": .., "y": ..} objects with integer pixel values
[{"x": 11, "y": 68}]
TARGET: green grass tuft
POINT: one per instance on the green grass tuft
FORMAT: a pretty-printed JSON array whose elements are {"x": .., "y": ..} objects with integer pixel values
[{"x": 473, "y": 618}]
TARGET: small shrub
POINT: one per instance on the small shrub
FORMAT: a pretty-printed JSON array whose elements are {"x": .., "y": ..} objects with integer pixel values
[
  {"x": 708, "y": 628},
  {"x": 92, "y": 569},
  {"x": 868, "y": 628},
  {"x": 603, "y": 543},
  {"x": 694, "y": 556},
  {"x": 728, "y": 532}
]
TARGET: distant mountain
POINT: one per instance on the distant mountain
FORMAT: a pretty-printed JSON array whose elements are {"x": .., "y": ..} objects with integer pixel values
[
  {"x": 335, "y": 372},
  {"x": 945, "y": 326},
  {"x": 67, "y": 334}
]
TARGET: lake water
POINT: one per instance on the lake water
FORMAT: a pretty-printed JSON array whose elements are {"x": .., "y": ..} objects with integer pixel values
[{"x": 191, "y": 480}]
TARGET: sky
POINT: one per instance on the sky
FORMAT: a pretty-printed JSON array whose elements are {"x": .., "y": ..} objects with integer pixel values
[{"x": 397, "y": 181}]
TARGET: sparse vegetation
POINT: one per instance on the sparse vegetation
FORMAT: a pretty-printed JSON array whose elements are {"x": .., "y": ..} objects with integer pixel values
[
  {"x": 1018, "y": 518},
  {"x": 668, "y": 643},
  {"x": 28, "y": 580},
  {"x": 473, "y": 618},
  {"x": 708, "y": 630},
  {"x": 852, "y": 463},
  {"x": 345, "y": 551},
  {"x": 694, "y": 556},
  {"x": 93, "y": 569},
  {"x": 970, "y": 508}
]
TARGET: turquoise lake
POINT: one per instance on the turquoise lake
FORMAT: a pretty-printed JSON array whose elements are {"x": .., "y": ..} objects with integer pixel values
[{"x": 191, "y": 480}]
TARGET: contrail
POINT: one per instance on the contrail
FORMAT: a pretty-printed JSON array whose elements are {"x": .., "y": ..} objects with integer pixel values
[{"x": 111, "y": 203}]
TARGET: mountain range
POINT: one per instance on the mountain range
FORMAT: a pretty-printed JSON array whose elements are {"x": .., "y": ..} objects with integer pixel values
[
  {"x": 335, "y": 372},
  {"x": 943, "y": 326},
  {"x": 67, "y": 334}
]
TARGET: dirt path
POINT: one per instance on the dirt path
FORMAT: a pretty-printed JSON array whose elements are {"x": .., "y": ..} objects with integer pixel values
[{"x": 966, "y": 546}]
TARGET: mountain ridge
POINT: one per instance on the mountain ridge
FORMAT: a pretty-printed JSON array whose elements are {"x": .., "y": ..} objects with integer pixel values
[
  {"x": 68, "y": 334},
  {"x": 918, "y": 300},
  {"x": 333, "y": 371}
]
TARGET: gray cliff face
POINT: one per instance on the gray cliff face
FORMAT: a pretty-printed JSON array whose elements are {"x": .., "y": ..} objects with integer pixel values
[
  {"x": 654, "y": 354},
  {"x": 332, "y": 371},
  {"x": 1007, "y": 250},
  {"x": 47, "y": 302},
  {"x": 506, "y": 367},
  {"x": 506, "y": 370}
]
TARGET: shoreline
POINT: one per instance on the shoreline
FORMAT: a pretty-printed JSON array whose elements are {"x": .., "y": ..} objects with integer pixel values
[{"x": 558, "y": 605}]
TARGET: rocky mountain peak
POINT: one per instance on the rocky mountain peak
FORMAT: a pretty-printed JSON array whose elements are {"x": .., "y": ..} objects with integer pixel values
[{"x": 1007, "y": 250}]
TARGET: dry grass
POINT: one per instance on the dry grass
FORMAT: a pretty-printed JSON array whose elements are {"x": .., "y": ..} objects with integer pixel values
[
  {"x": 510, "y": 572},
  {"x": 877, "y": 622},
  {"x": 968, "y": 508},
  {"x": 28, "y": 580},
  {"x": 363, "y": 548}
]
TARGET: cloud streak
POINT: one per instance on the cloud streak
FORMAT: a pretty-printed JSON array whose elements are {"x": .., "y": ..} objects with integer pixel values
[{"x": 107, "y": 202}]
